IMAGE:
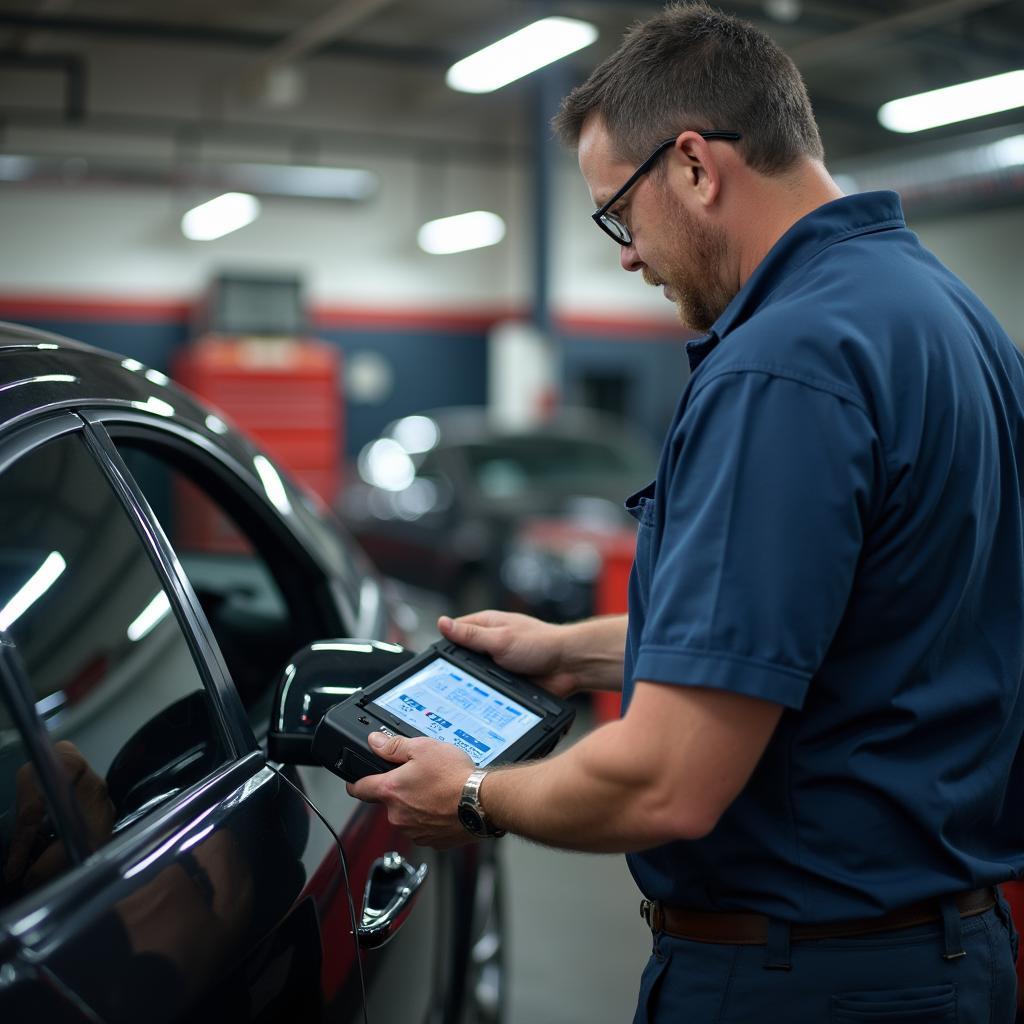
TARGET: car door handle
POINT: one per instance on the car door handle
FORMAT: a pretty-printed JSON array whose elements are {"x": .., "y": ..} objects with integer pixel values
[{"x": 390, "y": 893}]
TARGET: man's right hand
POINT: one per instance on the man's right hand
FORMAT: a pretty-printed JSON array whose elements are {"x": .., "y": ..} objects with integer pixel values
[{"x": 519, "y": 643}]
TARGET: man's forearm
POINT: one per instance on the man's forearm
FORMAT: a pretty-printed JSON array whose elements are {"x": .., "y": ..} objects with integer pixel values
[
  {"x": 593, "y": 652},
  {"x": 594, "y": 798},
  {"x": 666, "y": 771}
]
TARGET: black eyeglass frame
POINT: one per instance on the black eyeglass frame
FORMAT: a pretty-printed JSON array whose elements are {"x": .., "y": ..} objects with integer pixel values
[{"x": 601, "y": 217}]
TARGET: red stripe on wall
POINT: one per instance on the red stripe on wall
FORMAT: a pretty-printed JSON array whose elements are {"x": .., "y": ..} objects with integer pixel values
[
  {"x": 48, "y": 307},
  {"x": 412, "y": 319},
  {"x": 478, "y": 321},
  {"x": 625, "y": 327}
]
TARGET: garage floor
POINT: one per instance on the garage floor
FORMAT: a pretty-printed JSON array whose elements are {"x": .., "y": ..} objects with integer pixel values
[{"x": 577, "y": 943}]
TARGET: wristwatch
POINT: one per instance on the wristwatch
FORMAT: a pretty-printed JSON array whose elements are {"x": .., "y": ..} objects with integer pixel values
[{"x": 471, "y": 811}]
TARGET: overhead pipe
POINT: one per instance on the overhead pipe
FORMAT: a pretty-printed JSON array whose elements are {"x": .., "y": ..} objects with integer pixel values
[
  {"x": 824, "y": 48},
  {"x": 169, "y": 32}
]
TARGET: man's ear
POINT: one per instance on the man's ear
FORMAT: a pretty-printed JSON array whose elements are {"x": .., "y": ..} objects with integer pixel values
[{"x": 698, "y": 167}]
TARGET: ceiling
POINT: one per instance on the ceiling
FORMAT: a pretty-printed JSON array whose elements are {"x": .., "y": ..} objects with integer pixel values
[{"x": 320, "y": 75}]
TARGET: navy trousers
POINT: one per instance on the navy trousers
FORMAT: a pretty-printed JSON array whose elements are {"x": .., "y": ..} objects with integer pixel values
[{"x": 898, "y": 977}]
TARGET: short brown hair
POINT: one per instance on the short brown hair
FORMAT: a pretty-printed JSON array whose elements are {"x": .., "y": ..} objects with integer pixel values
[{"x": 693, "y": 67}]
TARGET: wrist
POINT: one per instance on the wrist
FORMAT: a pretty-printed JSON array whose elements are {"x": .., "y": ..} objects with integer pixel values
[
  {"x": 472, "y": 814},
  {"x": 569, "y": 661},
  {"x": 591, "y": 653}
]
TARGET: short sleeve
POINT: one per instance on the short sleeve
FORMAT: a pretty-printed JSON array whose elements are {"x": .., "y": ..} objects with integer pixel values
[{"x": 760, "y": 519}]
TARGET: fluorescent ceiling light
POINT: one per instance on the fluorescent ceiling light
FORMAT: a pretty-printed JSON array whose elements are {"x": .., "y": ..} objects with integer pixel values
[
  {"x": 954, "y": 103},
  {"x": 530, "y": 48},
  {"x": 34, "y": 587},
  {"x": 386, "y": 464},
  {"x": 464, "y": 231},
  {"x": 304, "y": 182},
  {"x": 220, "y": 216},
  {"x": 1007, "y": 153},
  {"x": 416, "y": 434}
]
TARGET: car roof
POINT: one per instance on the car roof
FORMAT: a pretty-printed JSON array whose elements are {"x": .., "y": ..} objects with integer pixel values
[
  {"x": 459, "y": 425},
  {"x": 41, "y": 372}
]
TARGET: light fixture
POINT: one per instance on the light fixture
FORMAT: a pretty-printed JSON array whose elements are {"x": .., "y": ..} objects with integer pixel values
[
  {"x": 220, "y": 216},
  {"x": 954, "y": 103},
  {"x": 384, "y": 463},
  {"x": 786, "y": 11},
  {"x": 301, "y": 181},
  {"x": 473, "y": 230},
  {"x": 530, "y": 48},
  {"x": 416, "y": 434}
]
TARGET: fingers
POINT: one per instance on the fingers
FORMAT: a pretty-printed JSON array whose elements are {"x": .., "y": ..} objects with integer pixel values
[
  {"x": 480, "y": 631},
  {"x": 396, "y": 749}
]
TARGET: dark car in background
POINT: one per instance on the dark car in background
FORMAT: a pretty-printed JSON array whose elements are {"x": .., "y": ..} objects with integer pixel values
[
  {"x": 156, "y": 574},
  {"x": 490, "y": 515}
]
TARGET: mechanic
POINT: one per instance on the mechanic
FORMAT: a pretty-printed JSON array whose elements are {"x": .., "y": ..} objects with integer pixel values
[{"x": 817, "y": 773}]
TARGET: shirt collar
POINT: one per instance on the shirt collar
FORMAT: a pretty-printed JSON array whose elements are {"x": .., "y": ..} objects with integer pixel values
[{"x": 842, "y": 218}]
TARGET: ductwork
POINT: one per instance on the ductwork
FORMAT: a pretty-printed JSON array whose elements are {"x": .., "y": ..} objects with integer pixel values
[
  {"x": 983, "y": 169},
  {"x": 333, "y": 183}
]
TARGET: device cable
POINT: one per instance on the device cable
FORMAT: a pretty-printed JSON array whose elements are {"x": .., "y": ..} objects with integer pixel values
[{"x": 344, "y": 871}]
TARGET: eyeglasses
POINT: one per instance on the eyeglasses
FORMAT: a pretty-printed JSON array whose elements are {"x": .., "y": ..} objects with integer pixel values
[{"x": 608, "y": 222}]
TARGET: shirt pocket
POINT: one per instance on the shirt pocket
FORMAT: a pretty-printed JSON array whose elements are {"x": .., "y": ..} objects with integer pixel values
[{"x": 641, "y": 506}]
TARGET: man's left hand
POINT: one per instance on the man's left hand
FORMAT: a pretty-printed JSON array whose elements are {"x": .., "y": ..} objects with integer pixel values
[{"x": 421, "y": 794}]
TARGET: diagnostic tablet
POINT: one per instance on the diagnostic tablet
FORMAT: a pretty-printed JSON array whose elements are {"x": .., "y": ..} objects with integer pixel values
[{"x": 451, "y": 694}]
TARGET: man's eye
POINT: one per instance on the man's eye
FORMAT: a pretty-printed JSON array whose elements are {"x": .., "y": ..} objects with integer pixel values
[{"x": 618, "y": 212}]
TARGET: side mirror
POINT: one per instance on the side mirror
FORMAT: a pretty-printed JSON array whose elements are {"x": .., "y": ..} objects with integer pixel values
[{"x": 316, "y": 678}]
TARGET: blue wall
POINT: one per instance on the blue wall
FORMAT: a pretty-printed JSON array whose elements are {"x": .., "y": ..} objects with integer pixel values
[
  {"x": 430, "y": 369},
  {"x": 150, "y": 342}
]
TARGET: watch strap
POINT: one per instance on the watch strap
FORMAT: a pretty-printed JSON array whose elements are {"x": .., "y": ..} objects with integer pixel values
[{"x": 471, "y": 796}]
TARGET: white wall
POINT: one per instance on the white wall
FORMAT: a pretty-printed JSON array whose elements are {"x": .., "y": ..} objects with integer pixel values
[{"x": 124, "y": 242}]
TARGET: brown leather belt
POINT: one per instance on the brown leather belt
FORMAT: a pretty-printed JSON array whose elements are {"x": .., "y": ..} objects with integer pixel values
[{"x": 738, "y": 929}]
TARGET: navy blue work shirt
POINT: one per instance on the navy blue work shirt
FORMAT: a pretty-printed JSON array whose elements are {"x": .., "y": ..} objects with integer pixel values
[{"x": 836, "y": 526}]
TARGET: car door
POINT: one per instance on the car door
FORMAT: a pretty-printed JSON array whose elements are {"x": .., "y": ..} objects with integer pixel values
[
  {"x": 155, "y": 867},
  {"x": 240, "y": 542}
]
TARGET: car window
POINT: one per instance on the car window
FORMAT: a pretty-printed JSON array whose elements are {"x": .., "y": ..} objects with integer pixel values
[
  {"x": 16, "y": 855},
  {"x": 259, "y": 603},
  {"x": 112, "y": 673}
]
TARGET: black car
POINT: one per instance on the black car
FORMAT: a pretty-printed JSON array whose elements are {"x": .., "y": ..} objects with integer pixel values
[
  {"x": 487, "y": 514},
  {"x": 157, "y": 572}
]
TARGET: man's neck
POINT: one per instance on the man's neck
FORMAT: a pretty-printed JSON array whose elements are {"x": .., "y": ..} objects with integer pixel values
[{"x": 770, "y": 206}]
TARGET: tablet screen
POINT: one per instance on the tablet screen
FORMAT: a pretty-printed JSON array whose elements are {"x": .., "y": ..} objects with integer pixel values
[{"x": 446, "y": 702}]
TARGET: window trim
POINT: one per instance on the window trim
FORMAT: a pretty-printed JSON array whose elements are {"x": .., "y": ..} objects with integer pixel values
[
  {"x": 18, "y": 698},
  {"x": 93, "y": 871},
  {"x": 234, "y": 727},
  {"x": 111, "y": 426},
  {"x": 39, "y": 745},
  {"x": 289, "y": 530}
]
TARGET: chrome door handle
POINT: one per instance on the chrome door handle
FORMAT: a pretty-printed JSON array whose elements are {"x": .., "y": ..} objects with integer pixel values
[{"x": 390, "y": 893}]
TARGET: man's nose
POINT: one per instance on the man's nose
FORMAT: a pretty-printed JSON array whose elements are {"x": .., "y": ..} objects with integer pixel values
[{"x": 629, "y": 259}]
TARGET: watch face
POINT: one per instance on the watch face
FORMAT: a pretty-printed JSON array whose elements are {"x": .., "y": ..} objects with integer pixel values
[{"x": 470, "y": 820}]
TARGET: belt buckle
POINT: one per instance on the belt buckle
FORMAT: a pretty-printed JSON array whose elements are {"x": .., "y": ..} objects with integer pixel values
[{"x": 650, "y": 911}]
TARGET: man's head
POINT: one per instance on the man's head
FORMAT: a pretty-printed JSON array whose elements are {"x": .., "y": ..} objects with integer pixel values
[
  {"x": 689, "y": 70},
  {"x": 695, "y": 67}
]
